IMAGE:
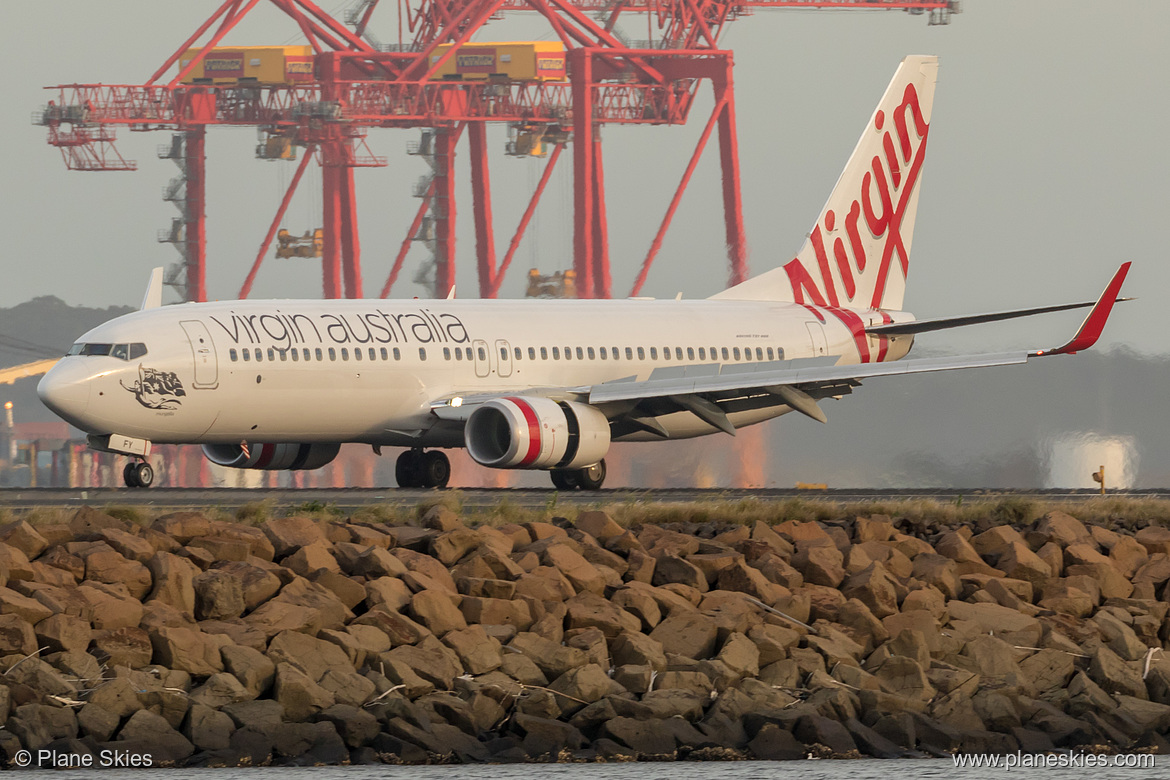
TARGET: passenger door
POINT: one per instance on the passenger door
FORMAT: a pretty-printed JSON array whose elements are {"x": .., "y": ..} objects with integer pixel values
[{"x": 203, "y": 352}]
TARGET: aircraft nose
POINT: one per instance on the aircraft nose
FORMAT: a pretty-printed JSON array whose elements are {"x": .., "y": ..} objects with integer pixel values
[{"x": 65, "y": 392}]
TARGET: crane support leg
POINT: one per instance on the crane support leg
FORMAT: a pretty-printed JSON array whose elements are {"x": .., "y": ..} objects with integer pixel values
[
  {"x": 196, "y": 231},
  {"x": 444, "y": 205},
  {"x": 331, "y": 208},
  {"x": 601, "y": 281},
  {"x": 581, "y": 69},
  {"x": 481, "y": 199},
  {"x": 351, "y": 250},
  {"x": 246, "y": 289},
  {"x": 729, "y": 158},
  {"x": 524, "y": 220}
]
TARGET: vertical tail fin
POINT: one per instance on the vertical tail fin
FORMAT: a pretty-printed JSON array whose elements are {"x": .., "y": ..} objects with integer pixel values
[{"x": 858, "y": 252}]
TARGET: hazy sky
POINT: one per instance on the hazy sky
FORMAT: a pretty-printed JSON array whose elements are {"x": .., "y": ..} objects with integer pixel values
[{"x": 1047, "y": 164}]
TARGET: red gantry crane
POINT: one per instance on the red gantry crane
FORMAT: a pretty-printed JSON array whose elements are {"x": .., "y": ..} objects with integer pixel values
[{"x": 325, "y": 96}]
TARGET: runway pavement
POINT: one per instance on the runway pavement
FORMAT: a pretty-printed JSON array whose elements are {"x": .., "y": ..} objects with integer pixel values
[{"x": 19, "y": 499}]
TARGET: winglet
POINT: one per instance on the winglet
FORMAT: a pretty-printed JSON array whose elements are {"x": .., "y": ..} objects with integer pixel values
[
  {"x": 1091, "y": 328},
  {"x": 153, "y": 297}
]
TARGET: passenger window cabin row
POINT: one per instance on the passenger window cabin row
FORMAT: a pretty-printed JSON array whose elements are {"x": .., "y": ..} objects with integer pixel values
[{"x": 297, "y": 354}]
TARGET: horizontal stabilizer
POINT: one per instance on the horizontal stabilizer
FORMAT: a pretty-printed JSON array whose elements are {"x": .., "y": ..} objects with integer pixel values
[{"x": 943, "y": 323}]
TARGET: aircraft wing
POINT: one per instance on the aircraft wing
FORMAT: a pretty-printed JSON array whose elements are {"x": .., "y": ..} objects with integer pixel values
[{"x": 710, "y": 391}]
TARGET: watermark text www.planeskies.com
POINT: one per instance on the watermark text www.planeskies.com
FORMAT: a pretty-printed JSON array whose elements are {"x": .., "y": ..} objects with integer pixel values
[
  {"x": 104, "y": 759},
  {"x": 1069, "y": 760}
]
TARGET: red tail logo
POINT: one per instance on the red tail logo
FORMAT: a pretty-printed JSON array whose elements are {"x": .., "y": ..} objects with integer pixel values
[{"x": 885, "y": 194}]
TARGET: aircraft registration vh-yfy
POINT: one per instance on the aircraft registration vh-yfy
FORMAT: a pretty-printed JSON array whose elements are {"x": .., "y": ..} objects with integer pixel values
[{"x": 536, "y": 384}]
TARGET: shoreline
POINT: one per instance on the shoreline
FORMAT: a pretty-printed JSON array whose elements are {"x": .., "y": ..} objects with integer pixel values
[{"x": 412, "y": 637}]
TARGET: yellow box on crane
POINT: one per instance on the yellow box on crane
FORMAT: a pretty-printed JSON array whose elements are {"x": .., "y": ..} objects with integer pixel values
[
  {"x": 244, "y": 65},
  {"x": 514, "y": 61}
]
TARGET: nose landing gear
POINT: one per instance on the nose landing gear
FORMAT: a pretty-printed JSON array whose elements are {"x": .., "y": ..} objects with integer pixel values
[
  {"x": 419, "y": 469},
  {"x": 138, "y": 474}
]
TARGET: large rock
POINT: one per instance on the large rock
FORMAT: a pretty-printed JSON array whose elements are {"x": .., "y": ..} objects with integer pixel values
[
  {"x": 552, "y": 659},
  {"x": 583, "y": 575},
  {"x": 218, "y": 595},
  {"x": 1117, "y": 676},
  {"x": 298, "y": 695},
  {"x": 426, "y": 566},
  {"x": 1062, "y": 528},
  {"x": 673, "y": 569},
  {"x": 218, "y": 690},
  {"x": 14, "y": 603},
  {"x": 431, "y": 660},
  {"x": 208, "y": 729},
  {"x": 110, "y": 607},
  {"x": 311, "y": 655},
  {"x": 288, "y": 534},
  {"x": 497, "y": 612},
  {"x": 478, "y": 652},
  {"x": 690, "y": 635},
  {"x": 275, "y": 616},
  {"x": 63, "y": 633},
  {"x": 874, "y": 587},
  {"x": 111, "y": 567},
  {"x": 253, "y": 669},
  {"x": 598, "y": 524},
  {"x": 36, "y": 725},
  {"x": 173, "y": 578},
  {"x": 589, "y": 610},
  {"x": 820, "y": 563},
  {"x": 1019, "y": 562},
  {"x": 190, "y": 651},
  {"x": 636, "y": 649},
  {"x": 146, "y": 732},
  {"x": 1008, "y": 624},
  {"x": 24, "y": 537},
  {"x": 258, "y": 584},
  {"x": 438, "y": 611}
]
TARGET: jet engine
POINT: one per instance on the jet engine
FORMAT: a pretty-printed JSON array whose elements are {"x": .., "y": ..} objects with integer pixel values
[
  {"x": 271, "y": 457},
  {"x": 522, "y": 432}
]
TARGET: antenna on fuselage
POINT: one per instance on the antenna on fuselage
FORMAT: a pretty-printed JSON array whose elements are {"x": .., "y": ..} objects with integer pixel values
[{"x": 153, "y": 297}]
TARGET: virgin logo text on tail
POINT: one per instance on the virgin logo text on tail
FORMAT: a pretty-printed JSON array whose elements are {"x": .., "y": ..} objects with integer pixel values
[{"x": 887, "y": 222}]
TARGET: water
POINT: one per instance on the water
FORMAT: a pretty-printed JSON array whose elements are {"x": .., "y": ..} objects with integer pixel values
[{"x": 864, "y": 769}]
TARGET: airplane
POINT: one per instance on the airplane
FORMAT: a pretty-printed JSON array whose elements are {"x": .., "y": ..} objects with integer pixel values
[{"x": 537, "y": 384}]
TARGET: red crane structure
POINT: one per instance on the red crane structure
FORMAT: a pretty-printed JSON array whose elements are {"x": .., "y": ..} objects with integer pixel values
[{"x": 357, "y": 84}]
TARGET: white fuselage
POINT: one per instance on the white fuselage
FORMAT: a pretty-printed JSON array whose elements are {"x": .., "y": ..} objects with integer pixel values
[{"x": 369, "y": 370}]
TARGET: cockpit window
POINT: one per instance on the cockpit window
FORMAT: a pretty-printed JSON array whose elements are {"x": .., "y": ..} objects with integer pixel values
[{"x": 120, "y": 351}]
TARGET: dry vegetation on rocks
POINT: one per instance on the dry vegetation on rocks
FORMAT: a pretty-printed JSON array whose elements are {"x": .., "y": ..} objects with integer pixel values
[{"x": 709, "y": 632}]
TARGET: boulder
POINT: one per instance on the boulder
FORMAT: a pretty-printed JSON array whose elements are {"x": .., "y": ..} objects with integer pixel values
[
  {"x": 431, "y": 660},
  {"x": 1008, "y": 624},
  {"x": 820, "y": 564},
  {"x": 673, "y": 569},
  {"x": 773, "y": 743},
  {"x": 438, "y": 611},
  {"x": 253, "y": 669},
  {"x": 691, "y": 635},
  {"x": 875, "y": 588},
  {"x": 583, "y": 575},
  {"x": 218, "y": 595},
  {"x": 173, "y": 581},
  {"x": 636, "y": 649},
  {"x": 496, "y": 612},
  {"x": 589, "y": 610},
  {"x": 258, "y": 584},
  {"x": 478, "y": 652},
  {"x": 311, "y": 557},
  {"x": 208, "y": 729},
  {"x": 190, "y": 651},
  {"x": 298, "y": 695},
  {"x": 1117, "y": 676},
  {"x": 288, "y": 534},
  {"x": 598, "y": 524},
  {"x": 146, "y": 732},
  {"x": 218, "y": 690},
  {"x": 551, "y": 658},
  {"x": 22, "y": 536},
  {"x": 275, "y": 616},
  {"x": 63, "y": 633},
  {"x": 311, "y": 655}
]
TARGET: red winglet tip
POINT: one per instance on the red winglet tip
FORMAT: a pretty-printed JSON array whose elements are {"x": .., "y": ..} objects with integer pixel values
[{"x": 1091, "y": 328}]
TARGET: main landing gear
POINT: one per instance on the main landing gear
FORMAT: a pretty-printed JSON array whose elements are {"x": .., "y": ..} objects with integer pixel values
[
  {"x": 418, "y": 469},
  {"x": 588, "y": 478},
  {"x": 138, "y": 474}
]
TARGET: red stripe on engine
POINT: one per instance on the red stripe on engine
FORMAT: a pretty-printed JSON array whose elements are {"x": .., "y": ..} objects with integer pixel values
[
  {"x": 533, "y": 431},
  {"x": 266, "y": 453}
]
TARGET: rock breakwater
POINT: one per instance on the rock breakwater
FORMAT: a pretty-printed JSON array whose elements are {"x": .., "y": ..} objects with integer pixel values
[{"x": 302, "y": 641}]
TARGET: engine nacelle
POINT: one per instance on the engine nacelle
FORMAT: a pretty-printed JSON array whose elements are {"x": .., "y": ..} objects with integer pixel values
[
  {"x": 521, "y": 432},
  {"x": 271, "y": 457}
]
